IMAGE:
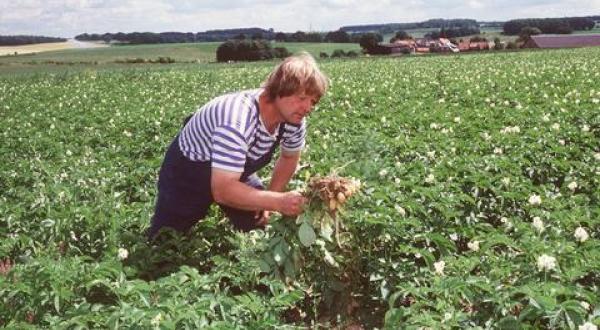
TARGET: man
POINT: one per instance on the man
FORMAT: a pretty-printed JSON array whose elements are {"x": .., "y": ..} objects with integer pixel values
[{"x": 220, "y": 148}]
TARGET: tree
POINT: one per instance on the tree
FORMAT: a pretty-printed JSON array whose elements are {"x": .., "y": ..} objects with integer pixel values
[
  {"x": 498, "y": 44},
  {"x": 314, "y": 37},
  {"x": 370, "y": 41},
  {"x": 528, "y": 31},
  {"x": 298, "y": 36},
  {"x": 280, "y": 37},
  {"x": 249, "y": 50},
  {"x": 337, "y": 36},
  {"x": 401, "y": 35}
]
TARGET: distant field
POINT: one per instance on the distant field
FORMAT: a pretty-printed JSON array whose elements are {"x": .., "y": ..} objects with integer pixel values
[
  {"x": 478, "y": 207},
  {"x": 183, "y": 52}
]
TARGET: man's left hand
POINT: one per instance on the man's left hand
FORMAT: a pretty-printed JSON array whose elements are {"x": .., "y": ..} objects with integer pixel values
[{"x": 262, "y": 217}]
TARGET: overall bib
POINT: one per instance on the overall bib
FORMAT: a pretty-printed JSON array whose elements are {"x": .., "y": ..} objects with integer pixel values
[{"x": 184, "y": 190}]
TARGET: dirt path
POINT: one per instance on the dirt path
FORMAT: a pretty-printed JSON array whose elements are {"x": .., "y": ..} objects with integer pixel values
[{"x": 37, "y": 48}]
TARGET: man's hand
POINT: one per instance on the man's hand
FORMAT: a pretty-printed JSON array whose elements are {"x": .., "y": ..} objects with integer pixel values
[
  {"x": 291, "y": 203},
  {"x": 5, "y": 266},
  {"x": 262, "y": 217}
]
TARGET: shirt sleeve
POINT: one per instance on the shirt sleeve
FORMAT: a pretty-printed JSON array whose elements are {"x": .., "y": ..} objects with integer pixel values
[
  {"x": 229, "y": 149},
  {"x": 293, "y": 137}
]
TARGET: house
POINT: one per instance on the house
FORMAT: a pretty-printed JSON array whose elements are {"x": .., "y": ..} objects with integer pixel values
[
  {"x": 465, "y": 46},
  {"x": 562, "y": 41},
  {"x": 397, "y": 47},
  {"x": 425, "y": 45}
]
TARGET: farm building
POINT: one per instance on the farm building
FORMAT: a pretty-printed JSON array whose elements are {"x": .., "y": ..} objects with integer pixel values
[
  {"x": 562, "y": 41},
  {"x": 420, "y": 45},
  {"x": 467, "y": 45}
]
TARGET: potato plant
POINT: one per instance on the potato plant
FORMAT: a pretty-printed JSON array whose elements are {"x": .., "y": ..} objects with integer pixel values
[{"x": 478, "y": 205}]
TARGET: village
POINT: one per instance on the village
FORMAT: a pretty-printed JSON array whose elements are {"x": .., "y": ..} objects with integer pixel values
[{"x": 445, "y": 45}]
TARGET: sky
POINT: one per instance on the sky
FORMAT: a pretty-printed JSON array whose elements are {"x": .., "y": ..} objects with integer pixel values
[{"x": 68, "y": 18}]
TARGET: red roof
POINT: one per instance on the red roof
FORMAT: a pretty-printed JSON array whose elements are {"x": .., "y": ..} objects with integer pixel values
[{"x": 564, "y": 41}]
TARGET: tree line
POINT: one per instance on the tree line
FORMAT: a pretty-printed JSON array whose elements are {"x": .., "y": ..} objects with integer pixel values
[
  {"x": 437, "y": 23},
  {"x": 27, "y": 40},
  {"x": 219, "y": 35},
  {"x": 549, "y": 25}
]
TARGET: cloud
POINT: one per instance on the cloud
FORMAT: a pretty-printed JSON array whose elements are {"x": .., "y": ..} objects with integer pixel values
[{"x": 72, "y": 17}]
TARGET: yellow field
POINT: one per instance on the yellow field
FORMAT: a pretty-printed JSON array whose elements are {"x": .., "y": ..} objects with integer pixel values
[{"x": 37, "y": 48}]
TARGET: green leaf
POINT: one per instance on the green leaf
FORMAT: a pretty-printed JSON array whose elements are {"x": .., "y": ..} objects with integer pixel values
[
  {"x": 307, "y": 235},
  {"x": 508, "y": 323}
]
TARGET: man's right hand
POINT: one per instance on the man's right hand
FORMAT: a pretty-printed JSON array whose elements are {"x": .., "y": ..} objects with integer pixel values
[{"x": 291, "y": 203}]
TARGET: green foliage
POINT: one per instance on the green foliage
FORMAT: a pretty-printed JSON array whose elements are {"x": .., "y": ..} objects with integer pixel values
[
  {"x": 249, "y": 50},
  {"x": 447, "y": 232}
]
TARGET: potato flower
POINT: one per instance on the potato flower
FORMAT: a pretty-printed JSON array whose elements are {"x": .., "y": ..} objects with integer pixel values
[
  {"x": 400, "y": 210},
  {"x": 430, "y": 178},
  {"x": 439, "y": 267},
  {"x": 535, "y": 199},
  {"x": 123, "y": 254},
  {"x": 588, "y": 326},
  {"x": 546, "y": 263},
  {"x": 581, "y": 234},
  {"x": 473, "y": 246},
  {"x": 538, "y": 224}
]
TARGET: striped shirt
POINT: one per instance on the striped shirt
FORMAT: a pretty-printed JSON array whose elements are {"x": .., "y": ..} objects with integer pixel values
[{"x": 228, "y": 130}]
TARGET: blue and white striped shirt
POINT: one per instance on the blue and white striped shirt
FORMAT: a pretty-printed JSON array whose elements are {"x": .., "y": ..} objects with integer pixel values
[{"x": 223, "y": 130}]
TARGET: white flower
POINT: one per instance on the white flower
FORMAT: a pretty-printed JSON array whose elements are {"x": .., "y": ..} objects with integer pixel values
[
  {"x": 127, "y": 134},
  {"x": 434, "y": 126},
  {"x": 123, "y": 254},
  {"x": 561, "y": 142},
  {"x": 400, "y": 210},
  {"x": 156, "y": 320},
  {"x": 588, "y": 326},
  {"x": 572, "y": 186},
  {"x": 585, "y": 128},
  {"x": 439, "y": 267},
  {"x": 498, "y": 151},
  {"x": 546, "y": 118},
  {"x": 431, "y": 154},
  {"x": 69, "y": 153},
  {"x": 430, "y": 178},
  {"x": 473, "y": 245},
  {"x": 486, "y": 136},
  {"x": 510, "y": 129},
  {"x": 581, "y": 234},
  {"x": 556, "y": 126},
  {"x": 457, "y": 120},
  {"x": 538, "y": 224},
  {"x": 506, "y": 181},
  {"x": 454, "y": 237},
  {"x": 383, "y": 120},
  {"x": 597, "y": 156},
  {"x": 585, "y": 305},
  {"x": 535, "y": 200},
  {"x": 546, "y": 263},
  {"x": 383, "y": 172}
]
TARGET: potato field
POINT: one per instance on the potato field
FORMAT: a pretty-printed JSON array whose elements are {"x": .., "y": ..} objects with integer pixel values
[{"x": 475, "y": 200}]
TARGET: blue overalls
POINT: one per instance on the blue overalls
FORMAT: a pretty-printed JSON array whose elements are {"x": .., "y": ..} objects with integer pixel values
[{"x": 184, "y": 190}]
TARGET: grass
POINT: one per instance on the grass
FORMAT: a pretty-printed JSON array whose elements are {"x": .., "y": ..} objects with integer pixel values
[{"x": 182, "y": 52}]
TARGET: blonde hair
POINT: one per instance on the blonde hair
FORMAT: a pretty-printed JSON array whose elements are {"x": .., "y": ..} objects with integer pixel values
[{"x": 296, "y": 74}]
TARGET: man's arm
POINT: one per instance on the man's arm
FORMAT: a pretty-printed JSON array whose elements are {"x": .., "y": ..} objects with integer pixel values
[
  {"x": 228, "y": 190},
  {"x": 284, "y": 170}
]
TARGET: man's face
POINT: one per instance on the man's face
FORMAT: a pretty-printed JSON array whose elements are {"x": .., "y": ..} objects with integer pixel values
[{"x": 295, "y": 107}]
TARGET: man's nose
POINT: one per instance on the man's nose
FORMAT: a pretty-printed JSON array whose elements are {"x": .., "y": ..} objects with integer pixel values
[{"x": 307, "y": 107}]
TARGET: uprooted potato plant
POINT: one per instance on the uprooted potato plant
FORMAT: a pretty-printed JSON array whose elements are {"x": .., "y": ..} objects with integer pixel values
[{"x": 314, "y": 250}]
